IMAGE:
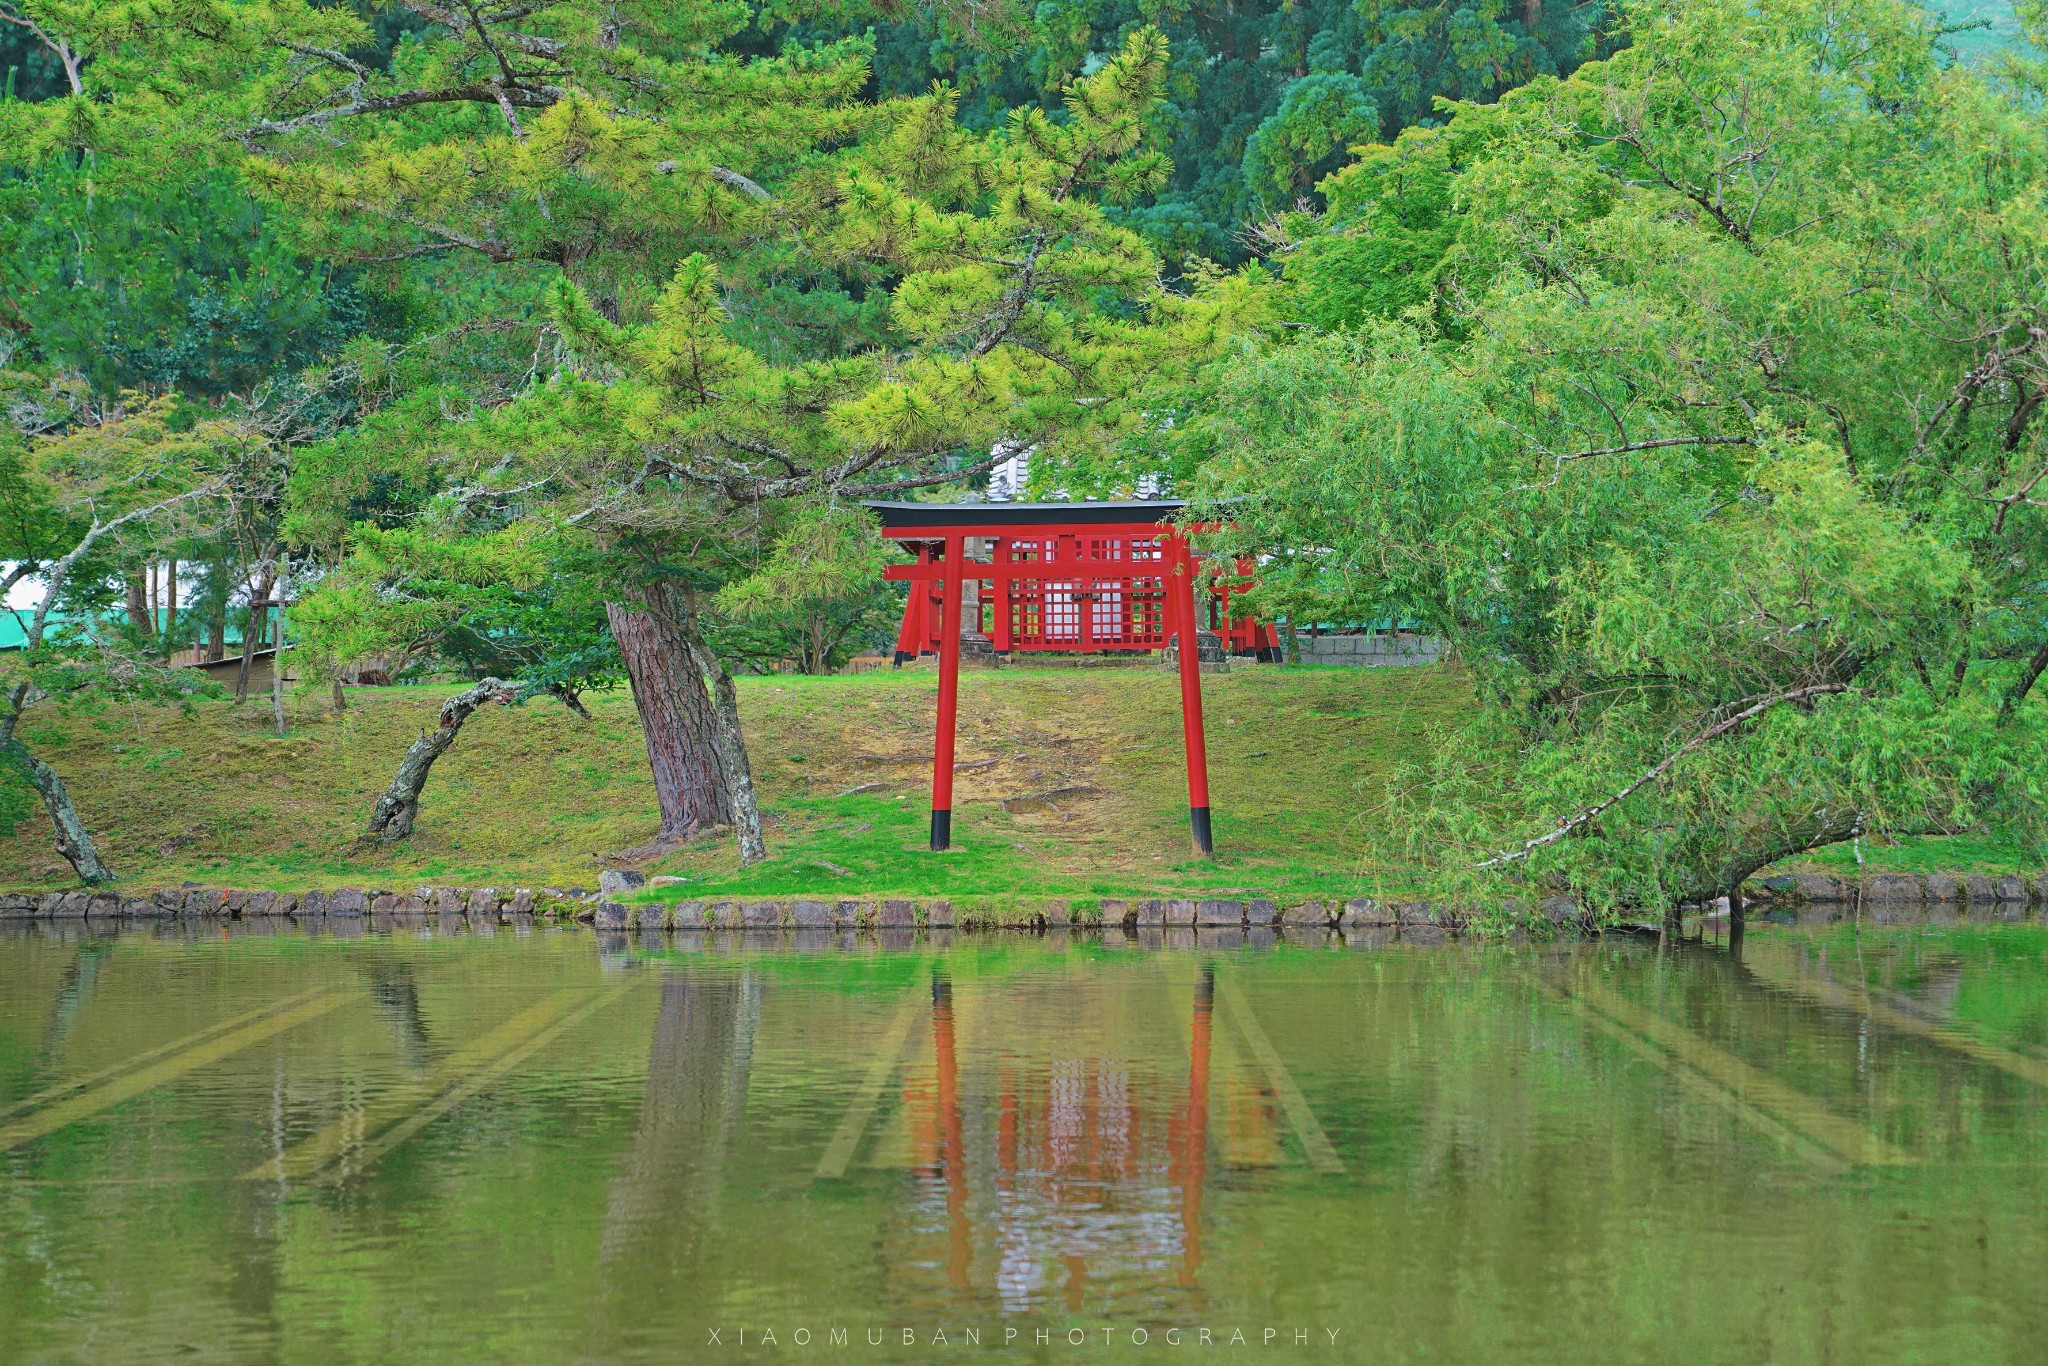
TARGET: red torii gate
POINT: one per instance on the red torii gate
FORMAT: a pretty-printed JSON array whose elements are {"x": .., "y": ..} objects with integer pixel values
[{"x": 1064, "y": 576}]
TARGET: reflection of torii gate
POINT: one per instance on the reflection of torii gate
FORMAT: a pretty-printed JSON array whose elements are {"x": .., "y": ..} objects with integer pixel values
[
  {"x": 1061, "y": 576},
  {"x": 1034, "y": 1153},
  {"x": 1188, "y": 1159}
]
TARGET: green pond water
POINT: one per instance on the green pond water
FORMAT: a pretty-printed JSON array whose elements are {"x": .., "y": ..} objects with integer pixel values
[{"x": 1824, "y": 1143}]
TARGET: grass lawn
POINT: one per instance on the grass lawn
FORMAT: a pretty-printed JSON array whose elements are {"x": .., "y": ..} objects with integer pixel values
[
  {"x": 1071, "y": 784},
  {"x": 537, "y": 796}
]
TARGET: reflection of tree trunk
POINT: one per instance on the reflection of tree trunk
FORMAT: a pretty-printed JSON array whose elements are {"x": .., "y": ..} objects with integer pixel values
[
  {"x": 72, "y": 995},
  {"x": 665, "y": 1198},
  {"x": 396, "y": 998}
]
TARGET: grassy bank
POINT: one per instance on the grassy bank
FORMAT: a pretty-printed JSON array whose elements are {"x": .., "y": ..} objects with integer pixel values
[{"x": 1071, "y": 785}]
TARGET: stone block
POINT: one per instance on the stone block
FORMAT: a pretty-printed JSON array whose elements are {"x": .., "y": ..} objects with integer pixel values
[
  {"x": 520, "y": 902},
  {"x": 812, "y": 915},
  {"x": 446, "y": 901},
  {"x": 1181, "y": 912},
  {"x": 1363, "y": 910},
  {"x": 897, "y": 915},
  {"x": 482, "y": 902},
  {"x": 1942, "y": 887},
  {"x": 348, "y": 903},
  {"x": 286, "y": 903},
  {"x": 234, "y": 902},
  {"x": 761, "y": 915},
  {"x": 1814, "y": 887},
  {"x": 388, "y": 904},
  {"x": 1894, "y": 888},
  {"x": 1980, "y": 890},
  {"x": 853, "y": 915},
  {"x": 2010, "y": 888},
  {"x": 611, "y": 915},
  {"x": 724, "y": 915},
  {"x": 687, "y": 915},
  {"x": 200, "y": 901},
  {"x": 1219, "y": 912},
  {"x": 47, "y": 904},
  {"x": 75, "y": 905},
  {"x": 138, "y": 908},
  {"x": 1150, "y": 915},
  {"x": 312, "y": 904},
  {"x": 613, "y": 881},
  {"x": 1559, "y": 910},
  {"x": 103, "y": 905},
  {"x": 17, "y": 906},
  {"x": 1306, "y": 913},
  {"x": 646, "y": 915},
  {"x": 260, "y": 903},
  {"x": 1116, "y": 912},
  {"x": 1415, "y": 913},
  {"x": 1260, "y": 913}
]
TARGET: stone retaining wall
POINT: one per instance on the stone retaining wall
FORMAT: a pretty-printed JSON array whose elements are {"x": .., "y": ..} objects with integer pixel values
[
  {"x": 348, "y": 902},
  {"x": 1898, "y": 888},
  {"x": 607, "y": 910}
]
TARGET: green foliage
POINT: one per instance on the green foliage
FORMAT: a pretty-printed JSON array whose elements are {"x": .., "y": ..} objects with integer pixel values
[
  {"x": 1697, "y": 399},
  {"x": 182, "y": 286},
  {"x": 816, "y": 598},
  {"x": 1260, "y": 100}
]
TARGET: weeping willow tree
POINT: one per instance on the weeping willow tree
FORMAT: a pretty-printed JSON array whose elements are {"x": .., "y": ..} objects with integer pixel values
[{"x": 1702, "y": 401}]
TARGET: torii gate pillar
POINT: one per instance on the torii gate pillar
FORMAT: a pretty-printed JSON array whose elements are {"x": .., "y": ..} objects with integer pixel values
[{"x": 1092, "y": 577}]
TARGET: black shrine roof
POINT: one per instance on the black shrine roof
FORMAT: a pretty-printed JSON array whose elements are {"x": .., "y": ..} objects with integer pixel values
[{"x": 898, "y": 516}]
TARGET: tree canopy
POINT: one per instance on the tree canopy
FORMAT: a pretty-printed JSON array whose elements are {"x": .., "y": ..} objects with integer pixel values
[{"x": 1698, "y": 399}]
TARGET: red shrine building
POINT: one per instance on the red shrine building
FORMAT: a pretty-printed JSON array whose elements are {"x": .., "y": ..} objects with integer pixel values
[{"x": 995, "y": 578}]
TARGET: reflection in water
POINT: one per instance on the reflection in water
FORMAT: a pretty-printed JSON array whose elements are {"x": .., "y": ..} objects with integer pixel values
[
  {"x": 72, "y": 995},
  {"x": 1468, "y": 1154},
  {"x": 1192, "y": 1152},
  {"x": 665, "y": 1198},
  {"x": 398, "y": 1003}
]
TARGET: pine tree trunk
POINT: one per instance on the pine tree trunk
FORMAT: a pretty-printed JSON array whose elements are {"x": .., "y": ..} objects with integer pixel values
[
  {"x": 392, "y": 818},
  {"x": 74, "y": 841},
  {"x": 677, "y": 715},
  {"x": 732, "y": 751}
]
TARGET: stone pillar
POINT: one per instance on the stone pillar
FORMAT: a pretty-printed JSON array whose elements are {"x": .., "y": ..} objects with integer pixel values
[{"x": 976, "y": 649}]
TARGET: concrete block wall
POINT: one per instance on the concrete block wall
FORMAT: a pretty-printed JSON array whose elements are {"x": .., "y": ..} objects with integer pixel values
[{"x": 1374, "y": 650}]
